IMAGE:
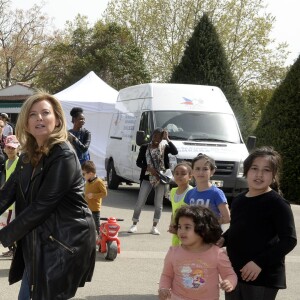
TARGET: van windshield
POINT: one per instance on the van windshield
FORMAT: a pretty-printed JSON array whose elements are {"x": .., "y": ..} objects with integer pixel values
[{"x": 198, "y": 126}]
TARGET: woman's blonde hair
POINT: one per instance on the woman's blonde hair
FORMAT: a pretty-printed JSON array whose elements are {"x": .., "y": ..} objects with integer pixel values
[{"x": 28, "y": 143}]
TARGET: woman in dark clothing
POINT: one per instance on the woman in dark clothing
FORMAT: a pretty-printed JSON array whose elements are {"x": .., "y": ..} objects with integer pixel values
[
  {"x": 53, "y": 229},
  {"x": 155, "y": 152},
  {"x": 262, "y": 230},
  {"x": 79, "y": 136}
]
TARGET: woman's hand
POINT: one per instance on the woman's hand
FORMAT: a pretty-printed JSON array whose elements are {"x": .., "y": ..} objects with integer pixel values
[
  {"x": 250, "y": 271},
  {"x": 166, "y": 135}
]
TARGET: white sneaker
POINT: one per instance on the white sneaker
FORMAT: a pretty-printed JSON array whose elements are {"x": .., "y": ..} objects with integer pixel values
[
  {"x": 154, "y": 231},
  {"x": 132, "y": 229}
]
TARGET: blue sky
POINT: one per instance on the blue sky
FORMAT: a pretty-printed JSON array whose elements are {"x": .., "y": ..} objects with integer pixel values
[{"x": 286, "y": 29}]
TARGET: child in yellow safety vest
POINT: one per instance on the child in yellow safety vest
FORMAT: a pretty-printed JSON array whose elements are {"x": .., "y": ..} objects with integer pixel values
[
  {"x": 182, "y": 176},
  {"x": 11, "y": 148}
]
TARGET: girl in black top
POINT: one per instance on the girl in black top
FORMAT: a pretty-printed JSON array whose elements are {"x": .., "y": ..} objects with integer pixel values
[{"x": 262, "y": 230}]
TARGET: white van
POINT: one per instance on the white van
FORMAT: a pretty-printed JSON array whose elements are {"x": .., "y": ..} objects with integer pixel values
[{"x": 198, "y": 118}]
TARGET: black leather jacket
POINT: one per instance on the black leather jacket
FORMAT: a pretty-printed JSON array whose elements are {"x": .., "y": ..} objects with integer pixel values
[{"x": 54, "y": 229}]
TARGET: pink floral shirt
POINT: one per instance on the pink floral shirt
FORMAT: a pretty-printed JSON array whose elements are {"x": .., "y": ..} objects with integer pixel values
[{"x": 192, "y": 275}]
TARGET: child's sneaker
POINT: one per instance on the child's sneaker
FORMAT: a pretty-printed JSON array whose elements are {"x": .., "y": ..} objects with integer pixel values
[
  {"x": 132, "y": 229},
  {"x": 154, "y": 231}
]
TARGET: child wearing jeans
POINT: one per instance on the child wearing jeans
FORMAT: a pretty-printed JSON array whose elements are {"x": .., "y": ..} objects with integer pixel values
[
  {"x": 94, "y": 191},
  {"x": 192, "y": 270}
]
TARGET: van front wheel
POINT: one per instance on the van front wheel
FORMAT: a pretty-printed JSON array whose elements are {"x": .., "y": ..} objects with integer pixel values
[{"x": 112, "y": 177}]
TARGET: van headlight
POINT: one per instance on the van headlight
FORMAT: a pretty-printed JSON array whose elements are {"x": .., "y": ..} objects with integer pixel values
[{"x": 240, "y": 172}]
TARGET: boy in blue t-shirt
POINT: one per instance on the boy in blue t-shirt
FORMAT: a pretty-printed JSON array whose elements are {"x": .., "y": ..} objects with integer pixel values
[{"x": 203, "y": 168}]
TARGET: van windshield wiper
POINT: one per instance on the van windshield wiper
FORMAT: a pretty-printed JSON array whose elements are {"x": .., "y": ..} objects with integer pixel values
[{"x": 212, "y": 140}]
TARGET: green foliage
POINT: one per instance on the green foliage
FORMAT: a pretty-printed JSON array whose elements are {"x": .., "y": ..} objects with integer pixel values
[
  {"x": 279, "y": 127},
  {"x": 204, "y": 62},
  {"x": 53, "y": 75},
  {"x": 115, "y": 56},
  {"x": 63, "y": 66},
  {"x": 106, "y": 49},
  {"x": 256, "y": 99},
  {"x": 162, "y": 27}
]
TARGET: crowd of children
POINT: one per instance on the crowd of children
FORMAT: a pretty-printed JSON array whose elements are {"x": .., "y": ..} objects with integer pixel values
[
  {"x": 256, "y": 247},
  {"x": 251, "y": 267}
]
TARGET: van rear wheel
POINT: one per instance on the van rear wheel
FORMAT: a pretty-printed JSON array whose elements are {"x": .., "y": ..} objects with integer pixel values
[{"x": 112, "y": 177}]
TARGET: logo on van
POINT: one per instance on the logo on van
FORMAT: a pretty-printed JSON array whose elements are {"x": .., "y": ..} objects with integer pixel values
[{"x": 188, "y": 101}]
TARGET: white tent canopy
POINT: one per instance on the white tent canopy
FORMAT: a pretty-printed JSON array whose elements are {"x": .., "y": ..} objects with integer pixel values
[{"x": 97, "y": 100}]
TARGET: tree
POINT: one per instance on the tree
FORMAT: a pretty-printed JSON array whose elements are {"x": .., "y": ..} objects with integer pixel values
[
  {"x": 162, "y": 27},
  {"x": 66, "y": 62},
  {"x": 116, "y": 57},
  {"x": 279, "y": 127},
  {"x": 54, "y": 75},
  {"x": 106, "y": 49},
  {"x": 204, "y": 62},
  {"x": 256, "y": 99},
  {"x": 24, "y": 43}
]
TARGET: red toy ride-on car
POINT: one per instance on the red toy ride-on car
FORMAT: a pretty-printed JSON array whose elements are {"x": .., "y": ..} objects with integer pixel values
[{"x": 108, "y": 240}]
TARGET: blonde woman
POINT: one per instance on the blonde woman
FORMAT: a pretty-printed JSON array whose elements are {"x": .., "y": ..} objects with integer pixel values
[{"x": 53, "y": 229}]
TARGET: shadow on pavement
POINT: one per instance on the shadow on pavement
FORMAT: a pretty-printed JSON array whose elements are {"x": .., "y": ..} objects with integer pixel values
[
  {"x": 4, "y": 272},
  {"x": 119, "y": 297},
  {"x": 100, "y": 257},
  {"x": 126, "y": 234}
]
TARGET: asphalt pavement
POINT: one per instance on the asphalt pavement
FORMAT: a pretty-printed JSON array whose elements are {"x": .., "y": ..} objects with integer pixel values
[{"x": 135, "y": 273}]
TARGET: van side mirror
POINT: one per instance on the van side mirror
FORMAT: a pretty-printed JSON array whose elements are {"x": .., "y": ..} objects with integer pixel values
[
  {"x": 140, "y": 138},
  {"x": 251, "y": 142}
]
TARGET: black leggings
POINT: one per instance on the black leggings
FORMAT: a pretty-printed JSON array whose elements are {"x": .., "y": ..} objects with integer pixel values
[{"x": 245, "y": 291}]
